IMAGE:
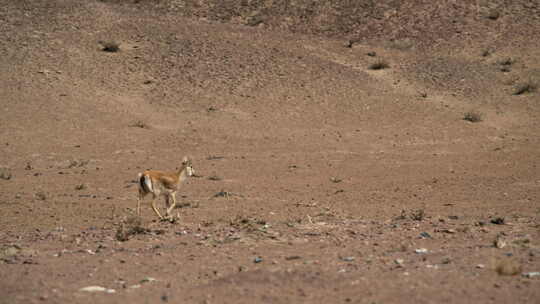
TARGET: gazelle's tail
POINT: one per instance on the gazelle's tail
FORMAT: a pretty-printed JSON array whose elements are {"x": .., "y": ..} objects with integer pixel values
[{"x": 145, "y": 183}]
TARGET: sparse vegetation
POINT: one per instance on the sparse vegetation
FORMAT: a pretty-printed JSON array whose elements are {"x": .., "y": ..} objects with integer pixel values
[
  {"x": 110, "y": 46},
  {"x": 485, "y": 53},
  {"x": 508, "y": 267},
  {"x": 140, "y": 124},
  {"x": 249, "y": 224},
  {"x": 418, "y": 215},
  {"x": 379, "y": 65},
  {"x": 78, "y": 163},
  {"x": 129, "y": 227},
  {"x": 415, "y": 215},
  {"x": 80, "y": 187},
  {"x": 40, "y": 195},
  {"x": 506, "y": 61},
  {"x": 473, "y": 116}
]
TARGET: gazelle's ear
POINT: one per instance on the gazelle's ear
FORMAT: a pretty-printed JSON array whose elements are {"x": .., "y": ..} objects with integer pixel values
[{"x": 185, "y": 160}]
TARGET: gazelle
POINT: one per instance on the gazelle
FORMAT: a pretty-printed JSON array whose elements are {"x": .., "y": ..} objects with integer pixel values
[{"x": 163, "y": 183}]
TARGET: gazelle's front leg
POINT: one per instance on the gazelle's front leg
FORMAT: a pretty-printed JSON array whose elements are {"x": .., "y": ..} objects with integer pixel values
[
  {"x": 170, "y": 208},
  {"x": 154, "y": 206}
]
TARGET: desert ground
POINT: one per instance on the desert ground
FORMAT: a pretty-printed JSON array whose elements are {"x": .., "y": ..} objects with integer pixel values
[{"x": 344, "y": 151}]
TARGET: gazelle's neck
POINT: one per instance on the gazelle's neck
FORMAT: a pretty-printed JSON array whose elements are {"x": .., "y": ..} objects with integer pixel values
[{"x": 182, "y": 173}]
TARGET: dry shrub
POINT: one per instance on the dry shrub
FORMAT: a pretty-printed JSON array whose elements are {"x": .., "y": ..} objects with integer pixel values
[
  {"x": 247, "y": 223},
  {"x": 473, "y": 116},
  {"x": 40, "y": 195},
  {"x": 418, "y": 215},
  {"x": 129, "y": 227},
  {"x": 110, "y": 46},
  {"x": 379, "y": 65},
  {"x": 508, "y": 267},
  {"x": 140, "y": 124},
  {"x": 415, "y": 215}
]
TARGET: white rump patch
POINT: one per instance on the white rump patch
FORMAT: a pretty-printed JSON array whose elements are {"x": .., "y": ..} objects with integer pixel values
[{"x": 147, "y": 182}]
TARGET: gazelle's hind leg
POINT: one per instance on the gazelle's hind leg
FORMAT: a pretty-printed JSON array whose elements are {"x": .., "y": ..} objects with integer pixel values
[
  {"x": 154, "y": 206},
  {"x": 173, "y": 205},
  {"x": 142, "y": 194}
]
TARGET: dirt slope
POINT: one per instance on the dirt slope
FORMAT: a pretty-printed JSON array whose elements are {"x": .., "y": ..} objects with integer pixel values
[{"x": 319, "y": 178}]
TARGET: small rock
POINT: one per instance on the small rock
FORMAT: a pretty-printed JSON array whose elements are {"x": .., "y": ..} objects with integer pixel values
[
  {"x": 148, "y": 280},
  {"x": 480, "y": 266},
  {"x": 257, "y": 260},
  {"x": 399, "y": 262},
  {"x": 293, "y": 257},
  {"x": 531, "y": 274},
  {"x": 421, "y": 250},
  {"x": 347, "y": 259},
  {"x": 499, "y": 243},
  {"x": 425, "y": 235},
  {"x": 450, "y": 231},
  {"x": 97, "y": 289},
  {"x": 498, "y": 221},
  {"x": 335, "y": 180},
  {"x": 5, "y": 173}
]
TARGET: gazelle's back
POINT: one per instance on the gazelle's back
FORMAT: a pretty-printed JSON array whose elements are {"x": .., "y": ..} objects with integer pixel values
[{"x": 165, "y": 180}]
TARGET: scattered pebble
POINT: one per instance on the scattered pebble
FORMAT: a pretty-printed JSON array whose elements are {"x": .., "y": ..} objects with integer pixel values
[
  {"x": 421, "y": 250},
  {"x": 257, "y": 260},
  {"x": 335, "y": 180},
  {"x": 347, "y": 259},
  {"x": 498, "y": 221},
  {"x": 500, "y": 243},
  {"x": 97, "y": 289},
  {"x": 480, "y": 266},
  {"x": 425, "y": 235},
  {"x": 293, "y": 257},
  {"x": 148, "y": 280},
  {"x": 531, "y": 274},
  {"x": 399, "y": 261},
  {"x": 450, "y": 231}
]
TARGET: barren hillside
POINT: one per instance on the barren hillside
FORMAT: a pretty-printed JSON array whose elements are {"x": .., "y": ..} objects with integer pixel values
[{"x": 345, "y": 151}]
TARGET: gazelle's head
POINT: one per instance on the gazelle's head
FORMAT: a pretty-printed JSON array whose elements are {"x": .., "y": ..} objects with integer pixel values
[{"x": 186, "y": 164}]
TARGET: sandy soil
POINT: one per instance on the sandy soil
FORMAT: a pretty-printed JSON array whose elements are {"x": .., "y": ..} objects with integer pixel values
[{"x": 319, "y": 179}]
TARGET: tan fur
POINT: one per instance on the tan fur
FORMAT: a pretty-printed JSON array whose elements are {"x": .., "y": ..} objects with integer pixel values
[{"x": 163, "y": 183}]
